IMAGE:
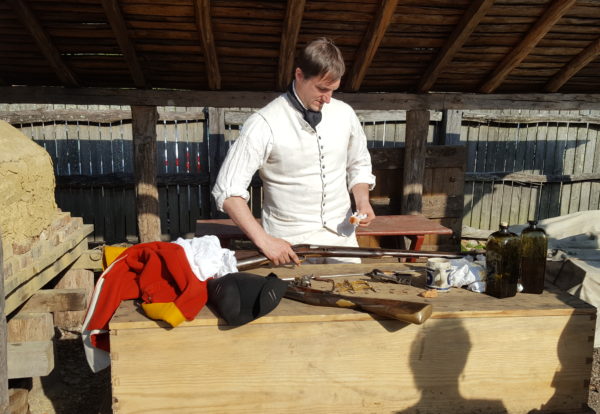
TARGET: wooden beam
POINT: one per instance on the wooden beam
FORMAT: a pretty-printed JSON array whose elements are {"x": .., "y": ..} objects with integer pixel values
[
  {"x": 417, "y": 127},
  {"x": 531, "y": 39},
  {"x": 28, "y": 19},
  {"x": 30, "y": 359},
  {"x": 143, "y": 123},
  {"x": 236, "y": 99},
  {"x": 469, "y": 21},
  {"x": 119, "y": 28},
  {"x": 575, "y": 65},
  {"x": 289, "y": 39},
  {"x": 4, "y": 401},
  {"x": 56, "y": 300},
  {"x": 203, "y": 22},
  {"x": 370, "y": 43}
]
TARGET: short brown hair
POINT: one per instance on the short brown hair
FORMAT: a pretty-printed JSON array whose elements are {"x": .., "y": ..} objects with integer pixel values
[{"x": 321, "y": 57}]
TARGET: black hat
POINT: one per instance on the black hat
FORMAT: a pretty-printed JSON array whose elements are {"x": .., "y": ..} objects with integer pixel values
[{"x": 240, "y": 298}]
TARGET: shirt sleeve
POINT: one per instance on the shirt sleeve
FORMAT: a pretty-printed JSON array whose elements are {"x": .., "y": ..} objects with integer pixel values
[
  {"x": 247, "y": 154},
  {"x": 359, "y": 159}
]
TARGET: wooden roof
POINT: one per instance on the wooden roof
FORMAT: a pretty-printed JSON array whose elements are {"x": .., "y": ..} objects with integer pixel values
[{"x": 411, "y": 46}]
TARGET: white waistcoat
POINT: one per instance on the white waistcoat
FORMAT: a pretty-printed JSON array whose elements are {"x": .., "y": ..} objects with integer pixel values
[{"x": 304, "y": 178}]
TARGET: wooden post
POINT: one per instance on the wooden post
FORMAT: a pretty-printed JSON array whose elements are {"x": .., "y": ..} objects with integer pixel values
[
  {"x": 451, "y": 126},
  {"x": 217, "y": 149},
  {"x": 3, "y": 340},
  {"x": 417, "y": 127},
  {"x": 143, "y": 120}
]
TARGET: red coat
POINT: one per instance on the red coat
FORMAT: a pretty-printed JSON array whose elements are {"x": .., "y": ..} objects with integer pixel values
[{"x": 156, "y": 272}]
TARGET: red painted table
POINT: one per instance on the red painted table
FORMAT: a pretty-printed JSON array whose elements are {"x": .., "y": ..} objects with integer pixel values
[{"x": 415, "y": 227}]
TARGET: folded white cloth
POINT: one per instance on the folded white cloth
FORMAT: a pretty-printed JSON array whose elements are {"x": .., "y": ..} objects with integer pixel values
[
  {"x": 468, "y": 272},
  {"x": 207, "y": 258}
]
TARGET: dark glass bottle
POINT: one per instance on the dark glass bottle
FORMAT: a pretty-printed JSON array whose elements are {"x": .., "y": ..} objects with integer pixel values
[
  {"x": 502, "y": 263},
  {"x": 534, "y": 249}
]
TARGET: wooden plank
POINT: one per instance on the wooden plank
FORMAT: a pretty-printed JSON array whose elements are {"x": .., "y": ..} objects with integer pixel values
[
  {"x": 50, "y": 254},
  {"x": 144, "y": 120},
  {"x": 463, "y": 323},
  {"x": 56, "y": 300},
  {"x": 532, "y": 117},
  {"x": 119, "y": 28},
  {"x": 542, "y": 26},
  {"x": 74, "y": 279},
  {"x": 578, "y": 166},
  {"x": 289, "y": 39},
  {"x": 27, "y": 289},
  {"x": 79, "y": 114},
  {"x": 568, "y": 165},
  {"x": 461, "y": 32},
  {"x": 30, "y": 359},
  {"x": 27, "y": 327},
  {"x": 232, "y": 99},
  {"x": 202, "y": 13},
  {"x": 417, "y": 123},
  {"x": 18, "y": 401},
  {"x": 580, "y": 61},
  {"x": 44, "y": 42},
  {"x": 370, "y": 43},
  {"x": 408, "y": 357}
]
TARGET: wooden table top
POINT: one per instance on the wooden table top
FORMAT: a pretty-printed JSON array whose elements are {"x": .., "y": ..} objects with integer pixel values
[
  {"x": 456, "y": 303},
  {"x": 397, "y": 225}
]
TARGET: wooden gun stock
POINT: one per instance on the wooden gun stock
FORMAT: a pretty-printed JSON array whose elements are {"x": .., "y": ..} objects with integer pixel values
[
  {"x": 309, "y": 250},
  {"x": 410, "y": 312}
]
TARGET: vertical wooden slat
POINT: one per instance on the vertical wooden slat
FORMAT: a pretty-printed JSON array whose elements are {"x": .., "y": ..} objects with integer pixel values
[
  {"x": 144, "y": 120},
  {"x": 451, "y": 127},
  {"x": 417, "y": 126}
]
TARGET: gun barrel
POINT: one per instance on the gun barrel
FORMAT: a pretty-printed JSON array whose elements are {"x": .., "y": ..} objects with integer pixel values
[{"x": 307, "y": 250}]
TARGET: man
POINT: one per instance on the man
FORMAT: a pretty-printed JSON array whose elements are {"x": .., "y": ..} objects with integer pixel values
[{"x": 310, "y": 150}]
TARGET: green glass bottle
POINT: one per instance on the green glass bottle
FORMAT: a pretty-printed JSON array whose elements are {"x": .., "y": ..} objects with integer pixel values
[
  {"x": 502, "y": 263},
  {"x": 534, "y": 249}
]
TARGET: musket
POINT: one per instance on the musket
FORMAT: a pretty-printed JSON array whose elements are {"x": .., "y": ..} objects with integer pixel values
[
  {"x": 405, "y": 311},
  {"x": 310, "y": 250}
]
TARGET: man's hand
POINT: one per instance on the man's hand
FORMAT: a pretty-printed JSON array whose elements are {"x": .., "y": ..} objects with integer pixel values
[
  {"x": 277, "y": 250},
  {"x": 363, "y": 205}
]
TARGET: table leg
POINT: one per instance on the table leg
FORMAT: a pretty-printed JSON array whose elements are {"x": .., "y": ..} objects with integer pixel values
[{"x": 415, "y": 244}]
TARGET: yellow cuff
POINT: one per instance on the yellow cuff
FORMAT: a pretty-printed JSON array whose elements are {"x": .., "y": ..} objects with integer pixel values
[
  {"x": 167, "y": 312},
  {"x": 109, "y": 254}
]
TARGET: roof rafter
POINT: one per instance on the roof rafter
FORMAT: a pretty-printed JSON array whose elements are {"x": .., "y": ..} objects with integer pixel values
[
  {"x": 467, "y": 24},
  {"x": 575, "y": 65},
  {"x": 531, "y": 39},
  {"x": 203, "y": 22},
  {"x": 28, "y": 19},
  {"x": 370, "y": 43},
  {"x": 119, "y": 28},
  {"x": 289, "y": 39}
]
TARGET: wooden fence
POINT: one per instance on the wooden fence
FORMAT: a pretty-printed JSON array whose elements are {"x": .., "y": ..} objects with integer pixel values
[
  {"x": 520, "y": 164},
  {"x": 530, "y": 165},
  {"x": 91, "y": 148}
]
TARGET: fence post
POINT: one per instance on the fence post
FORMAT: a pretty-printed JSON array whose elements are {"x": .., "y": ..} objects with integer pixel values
[
  {"x": 216, "y": 151},
  {"x": 143, "y": 122},
  {"x": 417, "y": 126}
]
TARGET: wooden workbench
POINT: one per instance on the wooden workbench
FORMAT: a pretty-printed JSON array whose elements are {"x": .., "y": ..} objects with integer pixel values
[{"x": 476, "y": 354}]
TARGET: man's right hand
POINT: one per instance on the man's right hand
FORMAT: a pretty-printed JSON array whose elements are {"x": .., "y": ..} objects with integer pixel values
[{"x": 278, "y": 251}]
